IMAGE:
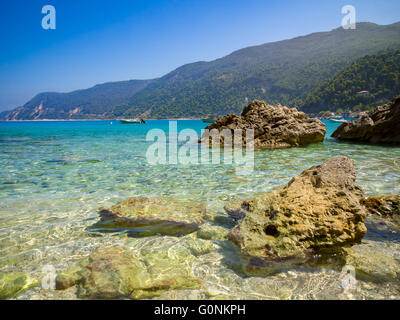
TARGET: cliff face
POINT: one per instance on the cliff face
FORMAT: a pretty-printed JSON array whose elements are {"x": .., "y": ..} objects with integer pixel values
[{"x": 381, "y": 125}]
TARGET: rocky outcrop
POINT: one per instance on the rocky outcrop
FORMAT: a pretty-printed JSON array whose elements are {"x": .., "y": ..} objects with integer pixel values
[
  {"x": 381, "y": 125},
  {"x": 274, "y": 126},
  {"x": 147, "y": 216},
  {"x": 319, "y": 210}
]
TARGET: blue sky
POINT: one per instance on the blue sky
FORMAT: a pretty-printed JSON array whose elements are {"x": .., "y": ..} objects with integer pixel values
[{"x": 97, "y": 41}]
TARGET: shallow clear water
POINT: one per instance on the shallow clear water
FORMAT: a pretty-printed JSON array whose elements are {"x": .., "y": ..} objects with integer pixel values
[{"x": 54, "y": 176}]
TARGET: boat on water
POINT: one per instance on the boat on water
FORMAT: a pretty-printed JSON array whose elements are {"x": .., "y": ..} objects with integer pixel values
[
  {"x": 209, "y": 120},
  {"x": 132, "y": 121},
  {"x": 338, "y": 120}
]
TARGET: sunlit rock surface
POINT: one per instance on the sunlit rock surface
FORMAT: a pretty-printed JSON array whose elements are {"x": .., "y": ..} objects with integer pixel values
[{"x": 319, "y": 210}]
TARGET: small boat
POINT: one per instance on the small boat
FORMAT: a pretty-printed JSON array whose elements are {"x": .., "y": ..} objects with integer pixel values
[
  {"x": 132, "y": 121},
  {"x": 338, "y": 120},
  {"x": 208, "y": 120}
]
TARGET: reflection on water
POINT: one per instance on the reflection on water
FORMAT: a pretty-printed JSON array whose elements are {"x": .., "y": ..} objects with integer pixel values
[{"x": 54, "y": 176}]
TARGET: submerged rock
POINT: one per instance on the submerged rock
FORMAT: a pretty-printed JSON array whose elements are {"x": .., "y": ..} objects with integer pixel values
[
  {"x": 274, "y": 126},
  {"x": 371, "y": 263},
  {"x": 12, "y": 284},
  {"x": 113, "y": 273},
  {"x": 68, "y": 278},
  {"x": 212, "y": 232},
  {"x": 117, "y": 272},
  {"x": 162, "y": 265},
  {"x": 319, "y": 210},
  {"x": 148, "y": 216},
  {"x": 383, "y": 205},
  {"x": 381, "y": 125}
]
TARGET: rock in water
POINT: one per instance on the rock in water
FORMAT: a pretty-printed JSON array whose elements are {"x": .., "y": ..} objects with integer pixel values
[
  {"x": 112, "y": 273},
  {"x": 162, "y": 265},
  {"x": 384, "y": 208},
  {"x": 14, "y": 283},
  {"x": 383, "y": 205},
  {"x": 381, "y": 125},
  {"x": 274, "y": 126},
  {"x": 148, "y": 216},
  {"x": 373, "y": 263},
  {"x": 319, "y": 210}
]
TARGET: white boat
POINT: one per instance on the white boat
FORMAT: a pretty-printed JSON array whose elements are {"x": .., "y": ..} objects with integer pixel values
[
  {"x": 129, "y": 121},
  {"x": 339, "y": 120}
]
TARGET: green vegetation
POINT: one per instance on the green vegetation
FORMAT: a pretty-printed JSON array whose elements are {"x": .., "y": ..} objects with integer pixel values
[
  {"x": 285, "y": 72},
  {"x": 368, "y": 82}
]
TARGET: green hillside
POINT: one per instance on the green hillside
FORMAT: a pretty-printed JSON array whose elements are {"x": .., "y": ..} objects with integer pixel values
[
  {"x": 284, "y": 71},
  {"x": 378, "y": 74}
]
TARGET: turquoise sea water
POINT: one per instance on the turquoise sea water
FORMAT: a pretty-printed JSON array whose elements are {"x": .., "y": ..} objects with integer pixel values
[{"x": 54, "y": 176}]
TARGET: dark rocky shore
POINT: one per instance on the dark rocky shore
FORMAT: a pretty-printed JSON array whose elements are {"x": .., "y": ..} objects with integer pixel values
[{"x": 381, "y": 125}]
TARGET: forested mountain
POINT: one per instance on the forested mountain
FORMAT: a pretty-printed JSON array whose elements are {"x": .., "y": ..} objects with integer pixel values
[
  {"x": 368, "y": 82},
  {"x": 89, "y": 103},
  {"x": 284, "y": 71}
]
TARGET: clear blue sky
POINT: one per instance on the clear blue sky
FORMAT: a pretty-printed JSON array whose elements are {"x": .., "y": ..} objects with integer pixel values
[{"x": 97, "y": 41}]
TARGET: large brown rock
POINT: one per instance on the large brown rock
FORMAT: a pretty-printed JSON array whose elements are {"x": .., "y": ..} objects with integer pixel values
[
  {"x": 381, "y": 125},
  {"x": 274, "y": 126},
  {"x": 319, "y": 210}
]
